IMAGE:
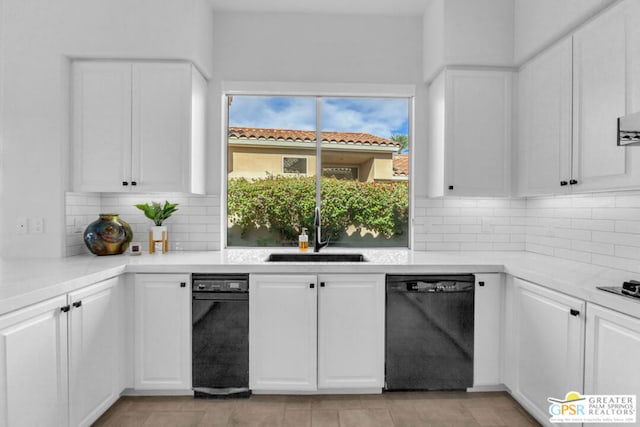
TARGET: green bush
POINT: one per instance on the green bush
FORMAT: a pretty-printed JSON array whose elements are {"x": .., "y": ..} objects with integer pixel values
[{"x": 286, "y": 204}]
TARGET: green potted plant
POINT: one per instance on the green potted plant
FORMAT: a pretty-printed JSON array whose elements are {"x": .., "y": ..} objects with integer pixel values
[{"x": 158, "y": 214}]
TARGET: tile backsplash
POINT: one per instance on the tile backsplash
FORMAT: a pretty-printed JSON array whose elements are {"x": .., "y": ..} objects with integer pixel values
[
  {"x": 195, "y": 227},
  {"x": 470, "y": 224},
  {"x": 601, "y": 229}
]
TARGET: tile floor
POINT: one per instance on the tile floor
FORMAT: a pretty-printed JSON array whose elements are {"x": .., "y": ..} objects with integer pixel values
[{"x": 437, "y": 409}]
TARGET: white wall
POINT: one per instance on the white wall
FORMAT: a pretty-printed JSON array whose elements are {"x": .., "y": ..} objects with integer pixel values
[
  {"x": 541, "y": 22},
  {"x": 317, "y": 48},
  {"x": 39, "y": 38},
  {"x": 467, "y": 33}
]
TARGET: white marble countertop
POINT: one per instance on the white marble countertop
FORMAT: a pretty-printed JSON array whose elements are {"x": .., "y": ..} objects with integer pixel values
[{"x": 28, "y": 281}]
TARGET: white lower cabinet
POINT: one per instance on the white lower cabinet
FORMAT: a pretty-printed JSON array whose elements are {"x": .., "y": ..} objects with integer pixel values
[
  {"x": 310, "y": 333},
  {"x": 162, "y": 332},
  {"x": 350, "y": 337},
  {"x": 545, "y": 346},
  {"x": 60, "y": 360},
  {"x": 282, "y": 332},
  {"x": 94, "y": 346},
  {"x": 33, "y": 365},
  {"x": 487, "y": 353},
  {"x": 612, "y": 347}
]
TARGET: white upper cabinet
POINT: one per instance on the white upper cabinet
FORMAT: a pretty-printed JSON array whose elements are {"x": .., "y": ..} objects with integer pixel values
[
  {"x": 138, "y": 127},
  {"x": 470, "y": 133},
  {"x": 602, "y": 83},
  {"x": 569, "y": 99},
  {"x": 544, "y": 122}
]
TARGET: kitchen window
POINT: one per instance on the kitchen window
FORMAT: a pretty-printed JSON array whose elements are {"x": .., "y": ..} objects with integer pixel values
[{"x": 273, "y": 157}]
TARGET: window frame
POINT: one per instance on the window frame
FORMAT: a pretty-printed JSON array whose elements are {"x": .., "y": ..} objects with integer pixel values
[
  {"x": 318, "y": 91},
  {"x": 306, "y": 166}
]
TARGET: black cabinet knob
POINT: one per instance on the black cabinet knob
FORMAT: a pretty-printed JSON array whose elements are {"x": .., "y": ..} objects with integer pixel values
[
  {"x": 451, "y": 187},
  {"x": 184, "y": 284},
  {"x": 312, "y": 285},
  {"x": 480, "y": 283},
  {"x": 574, "y": 312},
  {"x": 77, "y": 304},
  {"x": 65, "y": 308},
  {"x": 573, "y": 182},
  {"x": 563, "y": 183},
  {"x": 125, "y": 183},
  {"x": 134, "y": 183},
  {"x": 322, "y": 284}
]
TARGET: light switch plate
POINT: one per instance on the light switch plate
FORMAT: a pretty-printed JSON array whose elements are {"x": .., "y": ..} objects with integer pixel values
[
  {"x": 37, "y": 225},
  {"x": 22, "y": 225}
]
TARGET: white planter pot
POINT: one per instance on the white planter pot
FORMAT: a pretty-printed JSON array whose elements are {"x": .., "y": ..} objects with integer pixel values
[{"x": 157, "y": 230}]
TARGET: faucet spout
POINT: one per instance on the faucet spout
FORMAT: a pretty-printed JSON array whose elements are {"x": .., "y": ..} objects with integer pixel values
[{"x": 317, "y": 242}]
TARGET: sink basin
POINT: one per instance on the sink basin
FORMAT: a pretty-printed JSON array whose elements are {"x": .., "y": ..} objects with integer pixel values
[{"x": 316, "y": 257}]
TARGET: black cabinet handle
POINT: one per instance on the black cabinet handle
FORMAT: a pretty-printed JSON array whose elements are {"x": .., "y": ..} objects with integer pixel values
[
  {"x": 451, "y": 187},
  {"x": 125, "y": 183},
  {"x": 183, "y": 284},
  {"x": 134, "y": 183},
  {"x": 563, "y": 183},
  {"x": 480, "y": 283},
  {"x": 77, "y": 304},
  {"x": 322, "y": 284},
  {"x": 573, "y": 182},
  {"x": 312, "y": 285},
  {"x": 65, "y": 308},
  {"x": 574, "y": 312}
]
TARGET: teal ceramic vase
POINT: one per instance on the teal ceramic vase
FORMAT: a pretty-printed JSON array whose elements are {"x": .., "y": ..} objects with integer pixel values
[{"x": 108, "y": 235}]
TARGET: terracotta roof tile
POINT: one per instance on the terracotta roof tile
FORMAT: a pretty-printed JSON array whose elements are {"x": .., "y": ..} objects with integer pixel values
[
  {"x": 309, "y": 136},
  {"x": 401, "y": 164}
]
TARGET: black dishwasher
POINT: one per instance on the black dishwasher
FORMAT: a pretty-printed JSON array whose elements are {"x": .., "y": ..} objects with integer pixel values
[
  {"x": 220, "y": 340},
  {"x": 429, "y": 332}
]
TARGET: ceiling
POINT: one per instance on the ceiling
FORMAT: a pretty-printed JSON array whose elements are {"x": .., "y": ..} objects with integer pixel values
[{"x": 372, "y": 7}]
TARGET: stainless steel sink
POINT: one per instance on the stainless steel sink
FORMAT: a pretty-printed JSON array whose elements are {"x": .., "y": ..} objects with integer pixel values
[{"x": 316, "y": 257}]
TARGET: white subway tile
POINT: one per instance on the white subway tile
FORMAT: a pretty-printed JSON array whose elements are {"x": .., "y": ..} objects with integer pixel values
[
  {"x": 629, "y": 214},
  {"x": 593, "y": 224},
  {"x": 615, "y": 262},
  {"x": 460, "y": 203},
  {"x": 460, "y": 237},
  {"x": 461, "y": 220},
  {"x": 539, "y": 249},
  {"x": 572, "y": 255},
  {"x": 627, "y": 227},
  {"x": 445, "y": 246},
  {"x": 628, "y": 252},
  {"x": 512, "y": 246},
  {"x": 476, "y": 246},
  {"x": 616, "y": 238},
  {"x": 593, "y": 247}
]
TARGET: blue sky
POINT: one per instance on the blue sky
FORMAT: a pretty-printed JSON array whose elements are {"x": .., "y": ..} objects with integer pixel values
[{"x": 378, "y": 116}]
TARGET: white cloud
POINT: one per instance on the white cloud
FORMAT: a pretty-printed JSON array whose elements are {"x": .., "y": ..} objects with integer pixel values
[{"x": 381, "y": 117}]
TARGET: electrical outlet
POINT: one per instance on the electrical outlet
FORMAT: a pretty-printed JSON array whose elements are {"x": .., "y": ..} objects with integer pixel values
[
  {"x": 37, "y": 225},
  {"x": 22, "y": 225}
]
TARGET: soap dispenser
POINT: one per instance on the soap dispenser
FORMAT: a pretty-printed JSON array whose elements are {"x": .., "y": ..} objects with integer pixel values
[{"x": 303, "y": 240}]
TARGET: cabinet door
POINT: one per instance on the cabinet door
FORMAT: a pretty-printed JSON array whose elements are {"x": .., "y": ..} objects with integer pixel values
[
  {"x": 549, "y": 340},
  {"x": 613, "y": 340},
  {"x": 282, "y": 332},
  {"x": 488, "y": 331},
  {"x": 351, "y": 331},
  {"x": 601, "y": 75},
  {"x": 33, "y": 366},
  {"x": 101, "y": 126},
  {"x": 544, "y": 122},
  {"x": 477, "y": 133},
  {"x": 93, "y": 352},
  {"x": 161, "y": 128},
  {"x": 162, "y": 332}
]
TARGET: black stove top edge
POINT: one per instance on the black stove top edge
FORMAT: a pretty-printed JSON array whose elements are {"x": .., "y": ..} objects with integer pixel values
[{"x": 618, "y": 291}]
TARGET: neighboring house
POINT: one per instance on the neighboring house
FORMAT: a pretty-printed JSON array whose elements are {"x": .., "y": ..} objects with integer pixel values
[{"x": 257, "y": 153}]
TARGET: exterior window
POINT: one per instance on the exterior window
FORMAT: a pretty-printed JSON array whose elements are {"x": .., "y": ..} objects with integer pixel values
[
  {"x": 340, "y": 173},
  {"x": 276, "y": 145},
  {"x": 295, "y": 165}
]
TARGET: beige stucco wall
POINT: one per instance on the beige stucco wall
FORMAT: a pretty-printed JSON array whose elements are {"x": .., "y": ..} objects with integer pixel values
[{"x": 259, "y": 162}]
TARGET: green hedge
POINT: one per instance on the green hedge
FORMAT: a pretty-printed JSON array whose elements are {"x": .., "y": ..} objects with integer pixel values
[{"x": 286, "y": 204}]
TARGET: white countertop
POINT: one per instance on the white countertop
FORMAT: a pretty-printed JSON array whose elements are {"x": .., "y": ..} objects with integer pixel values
[{"x": 28, "y": 281}]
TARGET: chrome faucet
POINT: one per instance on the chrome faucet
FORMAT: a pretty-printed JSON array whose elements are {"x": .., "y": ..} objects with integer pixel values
[{"x": 317, "y": 243}]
